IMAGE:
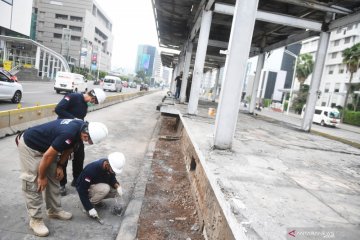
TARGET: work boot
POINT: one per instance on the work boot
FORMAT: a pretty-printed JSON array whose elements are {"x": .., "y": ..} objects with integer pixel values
[
  {"x": 38, "y": 226},
  {"x": 62, "y": 190},
  {"x": 62, "y": 215}
]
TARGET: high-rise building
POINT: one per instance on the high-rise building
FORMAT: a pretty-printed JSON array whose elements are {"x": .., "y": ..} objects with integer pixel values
[
  {"x": 145, "y": 59},
  {"x": 335, "y": 76},
  {"x": 15, "y": 20},
  {"x": 79, "y": 30}
]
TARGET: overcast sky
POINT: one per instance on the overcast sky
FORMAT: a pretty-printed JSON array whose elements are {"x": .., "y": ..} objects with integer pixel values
[{"x": 133, "y": 24}]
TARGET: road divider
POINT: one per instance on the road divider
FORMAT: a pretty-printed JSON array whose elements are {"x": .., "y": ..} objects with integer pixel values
[{"x": 13, "y": 121}]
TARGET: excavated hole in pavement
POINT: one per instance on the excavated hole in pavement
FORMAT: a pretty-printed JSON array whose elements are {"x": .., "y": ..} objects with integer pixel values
[{"x": 169, "y": 209}]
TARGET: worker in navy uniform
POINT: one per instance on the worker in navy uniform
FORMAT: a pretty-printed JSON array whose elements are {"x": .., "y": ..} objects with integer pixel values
[
  {"x": 41, "y": 169},
  {"x": 97, "y": 181},
  {"x": 75, "y": 105}
]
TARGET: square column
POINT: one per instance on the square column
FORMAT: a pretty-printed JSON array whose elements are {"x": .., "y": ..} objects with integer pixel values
[
  {"x": 259, "y": 67},
  {"x": 235, "y": 70},
  {"x": 315, "y": 81},
  {"x": 199, "y": 61},
  {"x": 186, "y": 72}
]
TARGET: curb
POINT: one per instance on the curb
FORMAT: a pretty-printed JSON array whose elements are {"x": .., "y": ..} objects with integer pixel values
[
  {"x": 128, "y": 226},
  {"x": 351, "y": 143}
]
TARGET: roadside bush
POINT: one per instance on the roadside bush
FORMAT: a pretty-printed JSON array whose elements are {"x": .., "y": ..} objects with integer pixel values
[
  {"x": 267, "y": 102},
  {"x": 286, "y": 105},
  {"x": 352, "y": 118}
]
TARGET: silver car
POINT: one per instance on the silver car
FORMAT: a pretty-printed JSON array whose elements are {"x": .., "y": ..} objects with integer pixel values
[{"x": 10, "y": 89}]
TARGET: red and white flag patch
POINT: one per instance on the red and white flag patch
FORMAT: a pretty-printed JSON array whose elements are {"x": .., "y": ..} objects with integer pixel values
[
  {"x": 67, "y": 98},
  {"x": 68, "y": 141},
  {"x": 87, "y": 179}
]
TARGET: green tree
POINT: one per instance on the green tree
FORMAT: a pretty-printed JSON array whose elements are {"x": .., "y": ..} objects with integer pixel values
[
  {"x": 141, "y": 74},
  {"x": 351, "y": 58},
  {"x": 300, "y": 99},
  {"x": 304, "y": 67}
]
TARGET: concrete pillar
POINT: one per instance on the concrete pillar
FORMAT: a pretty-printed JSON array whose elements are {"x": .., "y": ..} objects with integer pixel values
[
  {"x": 5, "y": 50},
  {"x": 173, "y": 79},
  {"x": 315, "y": 81},
  {"x": 48, "y": 59},
  {"x": 43, "y": 65},
  {"x": 37, "y": 58},
  {"x": 216, "y": 85},
  {"x": 235, "y": 67},
  {"x": 259, "y": 67},
  {"x": 186, "y": 72},
  {"x": 199, "y": 61},
  {"x": 53, "y": 68}
]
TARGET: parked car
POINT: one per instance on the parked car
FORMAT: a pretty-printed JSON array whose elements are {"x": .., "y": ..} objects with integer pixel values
[
  {"x": 70, "y": 82},
  {"x": 325, "y": 116},
  {"x": 144, "y": 87},
  {"x": 112, "y": 83},
  {"x": 10, "y": 89},
  {"x": 132, "y": 85},
  {"x": 10, "y": 75},
  {"x": 125, "y": 84}
]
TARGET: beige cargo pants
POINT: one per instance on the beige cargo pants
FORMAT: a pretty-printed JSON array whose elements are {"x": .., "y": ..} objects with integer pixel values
[
  {"x": 29, "y": 162},
  {"x": 100, "y": 191}
]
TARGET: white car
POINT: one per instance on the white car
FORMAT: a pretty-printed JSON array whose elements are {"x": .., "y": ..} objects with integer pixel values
[
  {"x": 70, "y": 82},
  {"x": 10, "y": 89},
  {"x": 112, "y": 83}
]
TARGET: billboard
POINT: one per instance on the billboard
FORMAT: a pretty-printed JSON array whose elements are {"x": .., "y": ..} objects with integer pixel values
[{"x": 145, "y": 61}]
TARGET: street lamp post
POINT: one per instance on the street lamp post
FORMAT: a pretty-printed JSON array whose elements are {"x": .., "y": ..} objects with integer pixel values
[
  {"x": 293, "y": 79},
  {"x": 99, "y": 57}
]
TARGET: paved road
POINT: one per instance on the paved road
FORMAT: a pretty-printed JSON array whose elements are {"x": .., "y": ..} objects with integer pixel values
[
  {"x": 41, "y": 93},
  {"x": 131, "y": 125},
  {"x": 344, "y": 131}
]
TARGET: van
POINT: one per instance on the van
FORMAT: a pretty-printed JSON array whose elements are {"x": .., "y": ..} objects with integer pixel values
[
  {"x": 325, "y": 116},
  {"x": 112, "y": 83},
  {"x": 70, "y": 82}
]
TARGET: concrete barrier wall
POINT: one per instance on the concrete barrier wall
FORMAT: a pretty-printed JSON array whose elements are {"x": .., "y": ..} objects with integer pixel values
[
  {"x": 218, "y": 222},
  {"x": 16, "y": 120}
]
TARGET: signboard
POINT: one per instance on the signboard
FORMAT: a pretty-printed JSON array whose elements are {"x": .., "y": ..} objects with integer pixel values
[
  {"x": 7, "y": 65},
  {"x": 93, "y": 67}
]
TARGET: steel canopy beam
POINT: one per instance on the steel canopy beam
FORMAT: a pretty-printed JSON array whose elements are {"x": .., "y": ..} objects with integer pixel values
[
  {"x": 288, "y": 21},
  {"x": 317, "y": 6},
  {"x": 341, "y": 22},
  {"x": 291, "y": 40},
  {"x": 273, "y": 18}
]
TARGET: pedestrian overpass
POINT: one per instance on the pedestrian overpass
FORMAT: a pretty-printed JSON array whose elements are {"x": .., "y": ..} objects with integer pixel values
[{"x": 26, "y": 53}]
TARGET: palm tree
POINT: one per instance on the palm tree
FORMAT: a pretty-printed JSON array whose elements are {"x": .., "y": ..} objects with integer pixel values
[
  {"x": 351, "y": 58},
  {"x": 304, "y": 67}
]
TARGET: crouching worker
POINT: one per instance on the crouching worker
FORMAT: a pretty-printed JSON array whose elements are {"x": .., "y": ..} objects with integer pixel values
[
  {"x": 97, "y": 181},
  {"x": 41, "y": 170}
]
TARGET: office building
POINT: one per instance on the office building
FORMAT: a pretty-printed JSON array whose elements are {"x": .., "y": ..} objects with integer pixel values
[
  {"x": 15, "y": 21},
  {"x": 335, "y": 76},
  {"x": 78, "y": 30}
]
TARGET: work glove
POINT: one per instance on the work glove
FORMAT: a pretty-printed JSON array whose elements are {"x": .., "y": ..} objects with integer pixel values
[
  {"x": 93, "y": 213},
  {"x": 120, "y": 191}
]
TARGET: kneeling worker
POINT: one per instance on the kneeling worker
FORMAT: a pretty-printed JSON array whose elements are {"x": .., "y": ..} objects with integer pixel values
[
  {"x": 96, "y": 180},
  {"x": 38, "y": 148}
]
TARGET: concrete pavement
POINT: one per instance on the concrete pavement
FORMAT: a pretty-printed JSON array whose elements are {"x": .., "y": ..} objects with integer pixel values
[
  {"x": 131, "y": 125},
  {"x": 277, "y": 179}
]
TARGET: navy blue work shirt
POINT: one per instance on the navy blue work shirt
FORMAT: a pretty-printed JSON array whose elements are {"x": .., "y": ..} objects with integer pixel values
[
  {"x": 72, "y": 106},
  {"x": 93, "y": 173},
  {"x": 61, "y": 134}
]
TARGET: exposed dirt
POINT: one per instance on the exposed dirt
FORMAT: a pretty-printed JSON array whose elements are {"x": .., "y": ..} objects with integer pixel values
[{"x": 168, "y": 210}]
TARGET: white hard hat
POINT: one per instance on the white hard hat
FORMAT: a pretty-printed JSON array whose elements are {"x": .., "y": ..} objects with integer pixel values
[
  {"x": 97, "y": 131},
  {"x": 117, "y": 161},
  {"x": 99, "y": 94}
]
